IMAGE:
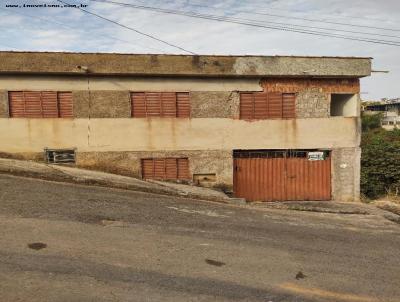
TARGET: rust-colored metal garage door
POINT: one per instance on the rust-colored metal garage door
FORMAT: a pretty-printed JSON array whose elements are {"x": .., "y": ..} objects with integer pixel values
[{"x": 281, "y": 175}]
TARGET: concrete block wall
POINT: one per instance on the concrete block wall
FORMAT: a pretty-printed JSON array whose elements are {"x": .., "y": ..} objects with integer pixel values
[{"x": 312, "y": 103}]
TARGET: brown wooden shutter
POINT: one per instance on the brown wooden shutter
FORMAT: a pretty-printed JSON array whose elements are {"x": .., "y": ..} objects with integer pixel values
[
  {"x": 16, "y": 103},
  {"x": 65, "y": 104},
  {"x": 168, "y": 104},
  {"x": 247, "y": 106},
  {"x": 289, "y": 105},
  {"x": 171, "y": 168},
  {"x": 33, "y": 104},
  {"x": 165, "y": 168},
  {"x": 159, "y": 168},
  {"x": 138, "y": 104},
  {"x": 183, "y": 168},
  {"x": 261, "y": 110},
  {"x": 147, "y": 168},
  {"x": 153, "y": 104},
  {"x": 274, "y": 105},
  {"x": 183, "y": 104},
  {"x": 49, "y": 104}
]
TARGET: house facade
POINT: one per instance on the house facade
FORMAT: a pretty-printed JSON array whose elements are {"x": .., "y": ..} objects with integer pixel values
[
  {"x": 264, "y": 127},
  {"x": 390, "y": 110}
]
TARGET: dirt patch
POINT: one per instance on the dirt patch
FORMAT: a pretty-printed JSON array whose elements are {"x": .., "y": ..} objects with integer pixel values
[
  {"x": 37, "y": 245},
  {"x": 215, "y": 262},
  {"x": 300, "y": 275}
]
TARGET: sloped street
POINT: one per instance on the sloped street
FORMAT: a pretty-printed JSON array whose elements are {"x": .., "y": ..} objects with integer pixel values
[{"x": 70, "y": 242}]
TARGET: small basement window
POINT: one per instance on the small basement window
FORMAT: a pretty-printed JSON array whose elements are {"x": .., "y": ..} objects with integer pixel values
[
  {"x": 344, "y": 105},
  {"x": 59, "y": 156}
]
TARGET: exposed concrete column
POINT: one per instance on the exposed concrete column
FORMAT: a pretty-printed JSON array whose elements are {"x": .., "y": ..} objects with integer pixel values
[
  {"x": 346, "y": 174},
  {"x": 4, "y": 110}
]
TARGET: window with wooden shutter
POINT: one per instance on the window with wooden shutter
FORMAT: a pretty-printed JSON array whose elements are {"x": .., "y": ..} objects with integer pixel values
[
  {"x": 160, "y": 104},
  {"x": 40, "y": 104},
  {"x": 165, "y": 168},
  {"x": 263, "y": 105}
]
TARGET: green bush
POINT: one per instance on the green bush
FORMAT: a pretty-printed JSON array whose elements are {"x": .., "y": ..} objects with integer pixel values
[
  {"x": 380, "y": 162},
  {"x": 371, "y": 121}
]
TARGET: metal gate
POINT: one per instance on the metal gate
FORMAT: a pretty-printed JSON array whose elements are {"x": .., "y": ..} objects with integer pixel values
[{"x": 279, "y": 175}]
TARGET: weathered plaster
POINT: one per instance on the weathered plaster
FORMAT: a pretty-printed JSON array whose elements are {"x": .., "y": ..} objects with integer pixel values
[
  {"x": 183, "y": 65},
  {"x": 143, "y": 134},
  {"x": 128, "y": 83},
  {"x": 102, "y": 104},
  {"x": 214, "y": 104}
]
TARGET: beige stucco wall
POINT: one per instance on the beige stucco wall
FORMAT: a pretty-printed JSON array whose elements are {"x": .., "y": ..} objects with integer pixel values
[
  {"x": 40, "y": 82},
  {"x": 126, "y": 134}
]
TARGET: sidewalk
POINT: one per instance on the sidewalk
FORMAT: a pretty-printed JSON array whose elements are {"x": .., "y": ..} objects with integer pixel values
[
  {"x": 88, "y": 177},
  {"x": 334, "y": 207}
]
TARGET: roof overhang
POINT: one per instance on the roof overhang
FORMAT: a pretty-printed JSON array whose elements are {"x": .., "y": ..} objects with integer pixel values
[{"x": 64, "y": 63}]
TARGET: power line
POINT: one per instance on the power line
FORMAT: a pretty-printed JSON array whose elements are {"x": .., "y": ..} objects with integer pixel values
[
  {"x": 74, "y": 28},
  {"x": 328, "y": 22},
  {"x": 131, "y": 28},
  {"x": 337, "y": 16},
  {"x": 235, "y": 21},
  {"x": 305, "y": 19},
  {"x": 298, "y": 25}
]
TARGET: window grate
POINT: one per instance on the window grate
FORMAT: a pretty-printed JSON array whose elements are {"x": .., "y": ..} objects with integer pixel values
[{"x": 60, "y": 156}]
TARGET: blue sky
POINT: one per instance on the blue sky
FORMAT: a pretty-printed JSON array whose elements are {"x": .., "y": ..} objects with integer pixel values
[{"x": 68, "y": 29}]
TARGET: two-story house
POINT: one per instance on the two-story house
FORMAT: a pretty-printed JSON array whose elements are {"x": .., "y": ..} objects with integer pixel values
[{"x": 265, "y": 127}]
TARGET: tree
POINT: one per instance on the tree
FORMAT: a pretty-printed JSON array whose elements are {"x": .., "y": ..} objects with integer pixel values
[
  {"x": 380, "y": 161},
  {"x": 371, "y": 121}
]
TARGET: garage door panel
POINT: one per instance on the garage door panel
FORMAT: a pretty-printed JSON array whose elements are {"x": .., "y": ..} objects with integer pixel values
[{"x": 282, "y": 178}]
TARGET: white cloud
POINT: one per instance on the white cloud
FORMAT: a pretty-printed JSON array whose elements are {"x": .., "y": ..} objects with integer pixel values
[{"x": 78, "y": 31}]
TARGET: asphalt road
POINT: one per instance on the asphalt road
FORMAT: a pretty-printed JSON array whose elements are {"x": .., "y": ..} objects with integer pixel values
[{"x": 98, "y": 244}]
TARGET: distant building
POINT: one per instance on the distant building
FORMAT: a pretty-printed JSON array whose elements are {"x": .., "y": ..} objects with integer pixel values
[{"x": 391, "y": 112}]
